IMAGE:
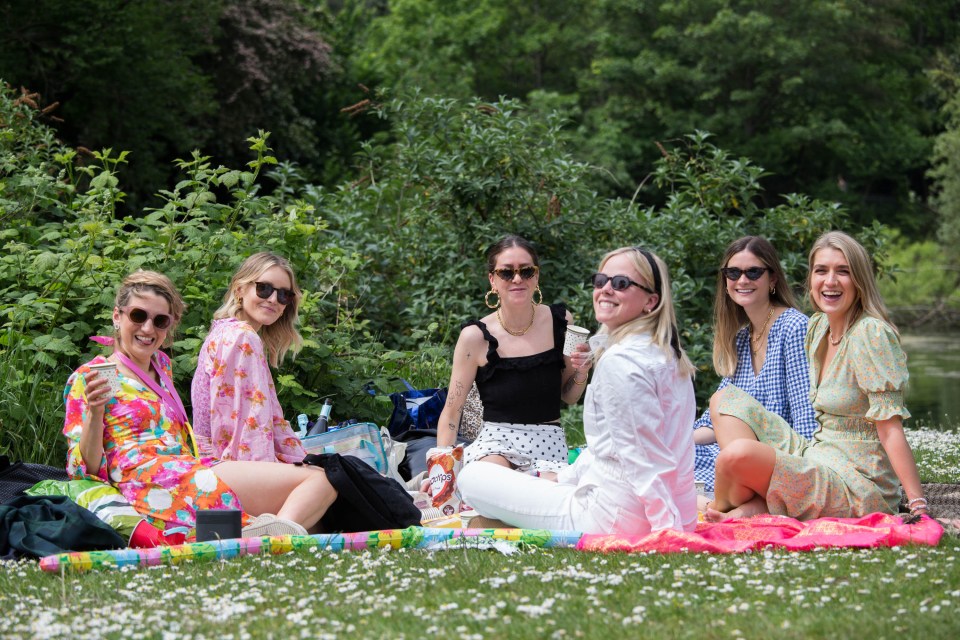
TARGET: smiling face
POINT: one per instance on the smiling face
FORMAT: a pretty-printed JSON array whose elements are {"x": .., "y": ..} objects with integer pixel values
[
  {"x": 140, "y": 341},
  {"x": 746, "y": 292},
  {"x": 256, "y": 311},
  {"x": 832, "y": 289},
  {"x": 615, "y": 308},
  {"x": 517, "y": 290}
]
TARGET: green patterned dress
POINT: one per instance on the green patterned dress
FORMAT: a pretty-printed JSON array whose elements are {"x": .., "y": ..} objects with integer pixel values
[{"x": 844, "y": 472}]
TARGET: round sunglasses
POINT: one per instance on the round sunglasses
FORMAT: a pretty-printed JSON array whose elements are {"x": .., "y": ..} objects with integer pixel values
[
  {"x": 140, "y": 316},
  {"x": 618, "y": 283},
  {"x": 753, "y": 273},
  {"x": 508, "y": 274},
  {"x": 265, "y": 290}
]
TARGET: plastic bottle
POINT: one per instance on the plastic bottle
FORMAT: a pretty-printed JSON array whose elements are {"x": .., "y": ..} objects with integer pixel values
[
  {"x": 320, "y": 426},
  {"x": 302, "y": 422}
]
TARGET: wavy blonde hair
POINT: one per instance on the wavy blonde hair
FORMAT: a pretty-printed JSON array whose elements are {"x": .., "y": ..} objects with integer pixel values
[
  {"x": 281, "y": 336},
  {"x": 868, "y": 301},
  {"x": 140, "y": 282},
  {"x": 661, "y": 322},
  {"x": 728, "y": 316}
]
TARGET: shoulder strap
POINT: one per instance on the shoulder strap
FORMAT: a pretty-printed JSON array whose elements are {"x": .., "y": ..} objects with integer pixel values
[{"x": 168, "y": 396}]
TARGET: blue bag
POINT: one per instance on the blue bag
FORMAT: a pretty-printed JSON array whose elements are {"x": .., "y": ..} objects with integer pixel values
[{"x": 416, "y": 408}]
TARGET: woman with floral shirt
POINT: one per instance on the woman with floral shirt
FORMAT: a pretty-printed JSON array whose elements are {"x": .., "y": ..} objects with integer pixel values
[{"x": 236, "y": 414}]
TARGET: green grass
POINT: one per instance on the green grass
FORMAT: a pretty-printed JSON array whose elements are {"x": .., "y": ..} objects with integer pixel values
[{"x": 878, "y": 593}]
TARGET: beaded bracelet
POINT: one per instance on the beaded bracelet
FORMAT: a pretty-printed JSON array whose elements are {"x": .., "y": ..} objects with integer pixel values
[{"x": 921, "y": 501}]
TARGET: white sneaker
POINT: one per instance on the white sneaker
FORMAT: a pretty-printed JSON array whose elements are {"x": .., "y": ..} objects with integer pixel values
[{"x": 268, "y": 524}]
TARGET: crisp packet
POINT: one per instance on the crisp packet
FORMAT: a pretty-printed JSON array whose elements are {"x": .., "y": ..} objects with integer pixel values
[{"x": 443, "y": 465}]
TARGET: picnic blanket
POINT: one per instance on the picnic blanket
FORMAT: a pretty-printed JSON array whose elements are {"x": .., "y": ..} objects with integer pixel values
[
  {"x": 747, "y": 534},
  {"x": 875, "y": 530}
]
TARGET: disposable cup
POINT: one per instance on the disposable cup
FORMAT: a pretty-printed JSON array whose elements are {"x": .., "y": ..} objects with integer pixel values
[
  {"x": 701, "y": 487},
  {"x": 108, "y": 371},
  {"x": 575, "y": 336}
]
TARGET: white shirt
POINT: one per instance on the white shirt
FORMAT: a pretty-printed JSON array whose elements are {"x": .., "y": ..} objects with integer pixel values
[{"x": 636, "y": 474}]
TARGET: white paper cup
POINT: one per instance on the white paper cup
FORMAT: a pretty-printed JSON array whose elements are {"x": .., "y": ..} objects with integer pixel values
[
  {"x": 108, "y": 371},
  {"x": 575, "y": 336},
  {"x": 701, "y": 487}
]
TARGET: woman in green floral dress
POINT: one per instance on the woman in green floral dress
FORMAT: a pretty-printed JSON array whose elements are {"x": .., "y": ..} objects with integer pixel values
[{"x": 859, "y": 456}]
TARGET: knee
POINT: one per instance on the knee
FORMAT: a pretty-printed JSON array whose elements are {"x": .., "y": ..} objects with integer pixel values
[
  {"x": 736, "y": 457},
  {"x": 715, "y": 401}
]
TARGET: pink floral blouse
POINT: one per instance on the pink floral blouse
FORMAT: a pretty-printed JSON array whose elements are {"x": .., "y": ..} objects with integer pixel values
[{"x": 236, "y": 414}]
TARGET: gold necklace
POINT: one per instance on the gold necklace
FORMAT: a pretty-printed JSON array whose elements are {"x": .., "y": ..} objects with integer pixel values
[
  {"x": 760, "y": 334},
  {"x": 522, "y": 331},
  {"x": 837, "y": 341}
]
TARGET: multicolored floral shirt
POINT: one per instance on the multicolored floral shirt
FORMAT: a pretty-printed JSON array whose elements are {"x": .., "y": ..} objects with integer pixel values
[
  {"x": 236, "y": 414},
  {"x": 146, "y": 453}
]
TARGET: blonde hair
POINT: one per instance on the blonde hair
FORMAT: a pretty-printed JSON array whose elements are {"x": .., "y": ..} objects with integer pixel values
[
  {"x": 728, "y": 316},
  {"x": 661, "y": 322},
  {"x": 140, "y": 282},
  {"x": 868, "y": 301},
  {"x": 281, "y": 336}
]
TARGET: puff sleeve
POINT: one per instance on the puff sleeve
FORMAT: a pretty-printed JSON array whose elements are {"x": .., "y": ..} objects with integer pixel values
[{"x": 880, "y": 367}]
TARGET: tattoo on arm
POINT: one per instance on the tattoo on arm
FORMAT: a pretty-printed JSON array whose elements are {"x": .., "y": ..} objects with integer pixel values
[{"x": 453, "y": 426}]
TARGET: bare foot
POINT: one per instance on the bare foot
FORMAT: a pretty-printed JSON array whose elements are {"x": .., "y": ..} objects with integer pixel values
[
  {"x": 702, "y": 503},
  {"x": 752, "y": 507}
]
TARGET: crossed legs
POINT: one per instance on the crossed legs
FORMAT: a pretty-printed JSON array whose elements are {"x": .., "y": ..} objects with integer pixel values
[{"x": 744, "y": 468}]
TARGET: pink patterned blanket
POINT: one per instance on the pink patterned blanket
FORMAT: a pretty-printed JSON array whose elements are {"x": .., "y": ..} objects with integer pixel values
[{"x": 745, "y": 534}]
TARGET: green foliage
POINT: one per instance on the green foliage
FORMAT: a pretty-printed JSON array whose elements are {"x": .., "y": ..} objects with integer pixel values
[
  {"x": 460, "y": 175},
  {"x": 69, "y": 249},
  {"x": 923, "y": 290}
]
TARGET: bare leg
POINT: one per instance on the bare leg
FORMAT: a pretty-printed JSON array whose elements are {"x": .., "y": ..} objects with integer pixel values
[
  {"x": 500, "y": 460},
  {"x": 726, "y": 427},
  {"x": 744, "y": 469},
  {"x": 301, "y": 494}
]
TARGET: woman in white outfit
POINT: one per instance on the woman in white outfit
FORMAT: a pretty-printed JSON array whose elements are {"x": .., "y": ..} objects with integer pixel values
[{"x": 636, "y": 475}]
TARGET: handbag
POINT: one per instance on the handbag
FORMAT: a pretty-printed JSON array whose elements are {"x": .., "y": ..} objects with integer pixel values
[
  {"x": 366, "y": 501},
  {"x": 361, "y": 440},
  {"x": 416, "y": 408}
]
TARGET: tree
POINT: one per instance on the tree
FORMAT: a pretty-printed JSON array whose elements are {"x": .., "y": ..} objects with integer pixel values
[{"x": 829, "y": 96}]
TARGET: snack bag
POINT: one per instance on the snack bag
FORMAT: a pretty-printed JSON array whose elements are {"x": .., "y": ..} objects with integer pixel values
[{"x": 443, "y": 464}]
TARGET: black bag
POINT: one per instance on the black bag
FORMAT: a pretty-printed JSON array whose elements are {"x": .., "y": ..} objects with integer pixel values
[
  {"x": 15, "y": 478},
  {"x": 366, "y": 500},
  {"x": 416, "y": 408}
]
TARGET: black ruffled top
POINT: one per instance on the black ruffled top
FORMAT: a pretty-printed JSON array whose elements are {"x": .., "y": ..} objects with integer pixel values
[{"x": 525, "y": 389}]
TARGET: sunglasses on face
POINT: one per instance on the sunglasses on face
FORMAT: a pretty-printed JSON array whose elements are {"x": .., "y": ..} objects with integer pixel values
[
  {"x": 753, "y": 273},
  {"x": 265, "y": 290},
  {"x": 140, "y": 316},
  {"x": 507, "y": 274},
  {"x": 618, "y": 283}
]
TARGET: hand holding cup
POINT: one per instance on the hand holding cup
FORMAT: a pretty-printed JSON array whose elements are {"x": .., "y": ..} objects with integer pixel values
[{"x": 576, "y": 347}]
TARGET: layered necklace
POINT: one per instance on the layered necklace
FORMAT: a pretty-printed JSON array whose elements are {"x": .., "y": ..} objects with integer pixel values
[
  {"x": 533, "y": 317},
  {"x": 757, "y": 340}
]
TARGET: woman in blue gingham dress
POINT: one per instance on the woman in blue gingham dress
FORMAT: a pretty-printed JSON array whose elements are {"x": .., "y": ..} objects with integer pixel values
[{"x": 769, "y": 362}]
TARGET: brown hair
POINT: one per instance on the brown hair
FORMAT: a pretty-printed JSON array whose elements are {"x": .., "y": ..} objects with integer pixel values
[
  {"x": 508, "y": 242},
  {"x": 728, "y": 316},
  {"x": 142, "y": 281}
]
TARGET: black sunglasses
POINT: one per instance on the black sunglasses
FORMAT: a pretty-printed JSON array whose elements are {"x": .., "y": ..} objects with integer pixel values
[
  {"x": 507, "y": 274},
  {"x": 619, "y": 283},
  {"x": 753, "y": 273},
  {"x": 265, "y": 290},
  {"x": 139, "y": 316}
]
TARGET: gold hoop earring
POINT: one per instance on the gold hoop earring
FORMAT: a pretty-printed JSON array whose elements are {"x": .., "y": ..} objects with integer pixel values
[
  {"x": 486, "y": 299},
  {"x": 540, "y": 301},
  {"x": 773, "y": 289}
]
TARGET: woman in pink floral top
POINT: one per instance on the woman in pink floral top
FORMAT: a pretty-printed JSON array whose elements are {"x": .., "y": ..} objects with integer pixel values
[
  {"x": 236, "y": 414},
  {"x": 137, "y": 438}
]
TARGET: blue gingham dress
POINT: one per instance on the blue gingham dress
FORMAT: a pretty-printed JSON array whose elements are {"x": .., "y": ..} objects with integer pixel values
[{"x": 782, "y": 387}]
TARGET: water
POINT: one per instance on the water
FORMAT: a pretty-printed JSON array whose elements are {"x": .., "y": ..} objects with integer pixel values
[{"x": 933, "y": 396}]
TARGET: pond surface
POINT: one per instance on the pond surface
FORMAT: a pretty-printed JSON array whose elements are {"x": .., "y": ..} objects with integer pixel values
[{"x": 933, "y": 396}]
